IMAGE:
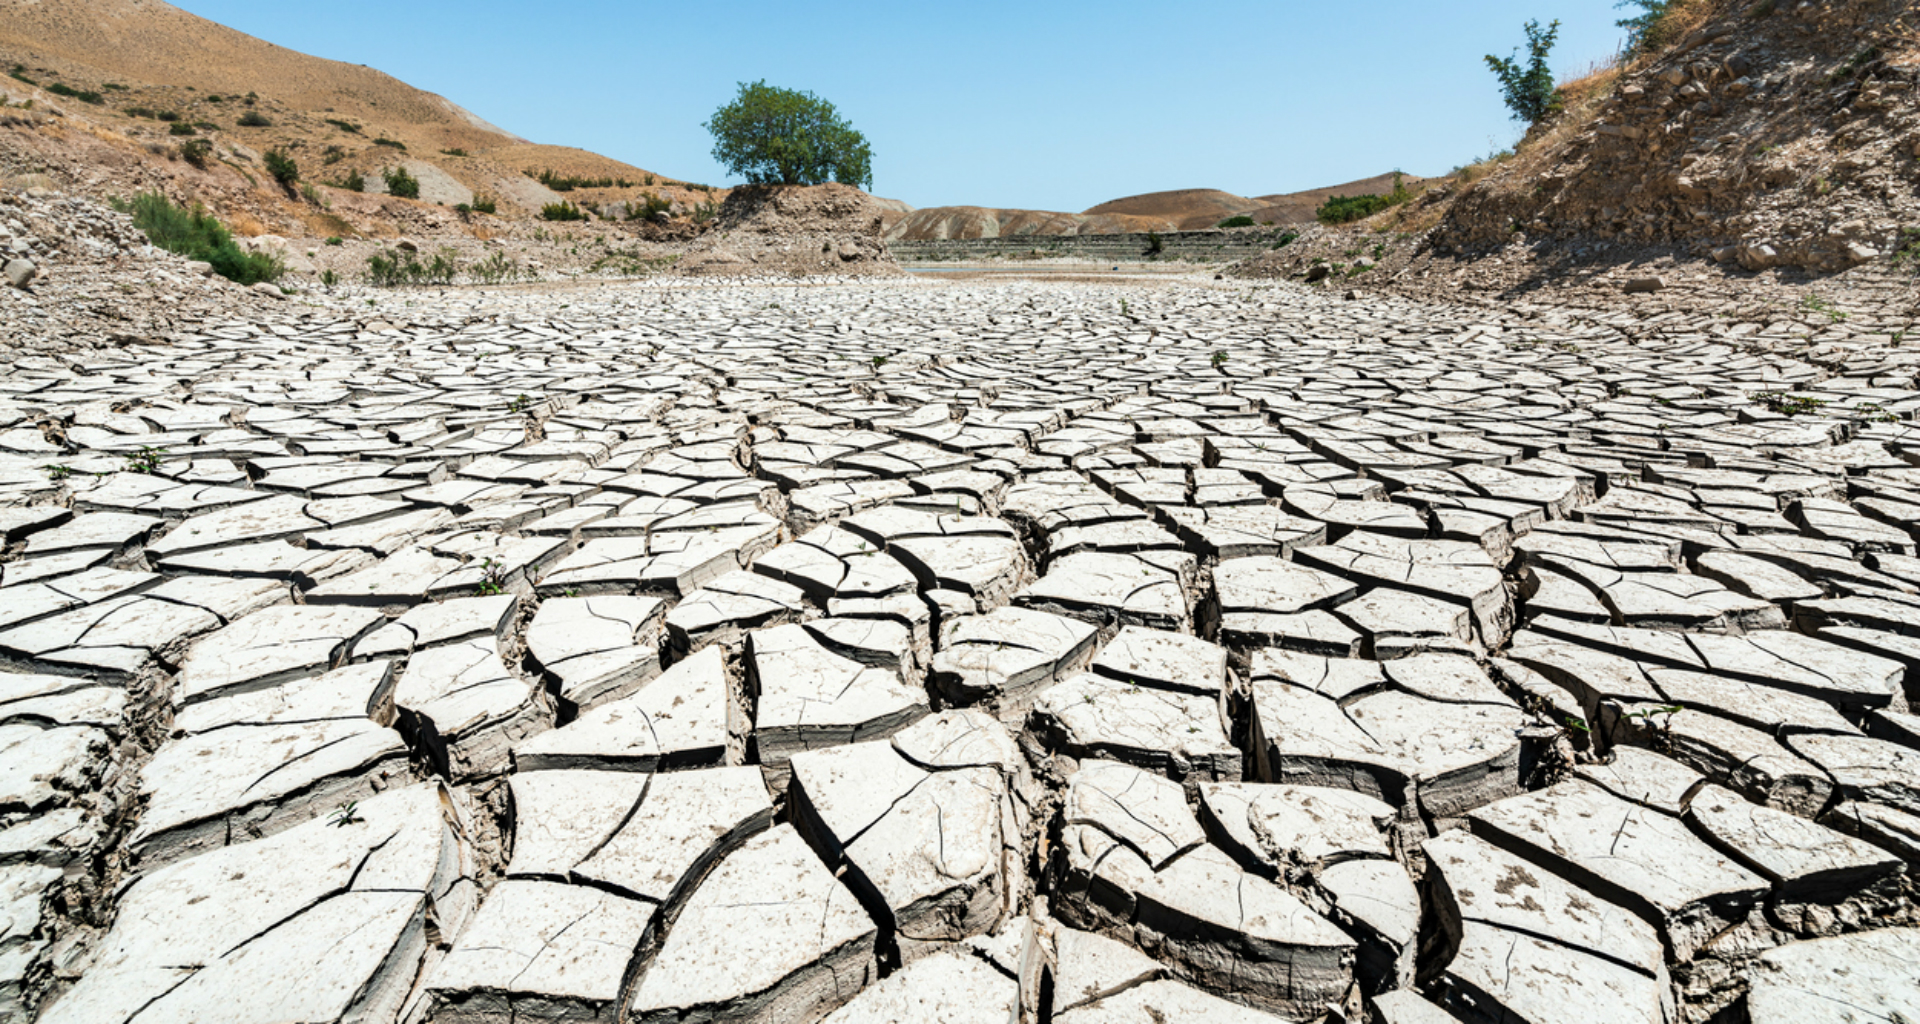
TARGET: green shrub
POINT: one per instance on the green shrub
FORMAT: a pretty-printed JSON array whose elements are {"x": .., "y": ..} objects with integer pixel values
[
  {"x": 1155, "y": 244},
  {"x": 196, "y": 152},
  {"x": 83, "y": 95},
  {"x": 281, "y": 166},
  {"x": 1528, "y": 89},
  {"x": 254, "y": 119},
  {"x": 345, "y": 126},
  {"x": 180, "y": 128},
  {"x": 195, "y": 234},
  {"x": 1236, "y": 222},
  {"x": 498, "y": 268},
  {"x": 1346, "y": 209},
  {"x": 402, "y": 184},
  {"x": 650, "y": 207},
  {"x": 18, "y": 74},
  {"x": 391, "y": 144},
  {"x": 139, "y": 111},
  {"x": 353, "y": 182},
  {"x": 568, "y": 182},
  {"x": 561, "y": 211},
  {"x": 392, "y": 268},
  {"x": 168, "y": 116},
  {"x": 453, "y": 152},
  {"x": 335, "y": 240},
  {"x": 485, "y": 204}
]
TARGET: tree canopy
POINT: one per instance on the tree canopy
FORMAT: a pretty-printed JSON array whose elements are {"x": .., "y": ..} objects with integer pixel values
[{"x": 775, "y": 136}]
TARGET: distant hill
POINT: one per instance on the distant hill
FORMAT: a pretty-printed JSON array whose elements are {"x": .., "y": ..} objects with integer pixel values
[
  {"x": 1192, "y": 209},
  {"x": 1187, "y": 209}
]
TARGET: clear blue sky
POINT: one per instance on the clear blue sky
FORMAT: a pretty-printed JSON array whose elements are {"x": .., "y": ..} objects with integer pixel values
[{"x": 1038, "y": 105}]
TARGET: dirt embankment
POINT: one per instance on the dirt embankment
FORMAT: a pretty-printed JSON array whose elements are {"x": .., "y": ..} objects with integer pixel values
[
  {"x": 794, "y": 231},
  {"x": 1764, "y": 166},
  {"x": 1769, "y": 135}
]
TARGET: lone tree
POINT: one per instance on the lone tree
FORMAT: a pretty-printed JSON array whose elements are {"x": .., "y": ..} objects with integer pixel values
[
  {"x": 774, "y": 136},
  {"x": 1529, "y": 88}
]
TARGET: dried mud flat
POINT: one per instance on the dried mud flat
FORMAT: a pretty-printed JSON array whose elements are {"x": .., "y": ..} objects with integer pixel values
[{"x": 957, "y": 651}]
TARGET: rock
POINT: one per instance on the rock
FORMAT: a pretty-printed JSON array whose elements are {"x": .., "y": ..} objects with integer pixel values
[
  {"x": 199, "y": 268},
  {"x": 20, "y": 273},
  {"x": 269, "y": 289},
  {"x": 405, "y": 244},
  {"x": 1643, "y": 285}
]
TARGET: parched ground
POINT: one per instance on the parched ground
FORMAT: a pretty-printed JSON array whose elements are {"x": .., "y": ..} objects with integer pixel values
[{"x": 923, "y": 650}]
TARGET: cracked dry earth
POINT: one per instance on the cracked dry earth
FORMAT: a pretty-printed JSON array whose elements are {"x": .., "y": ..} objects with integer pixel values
[{"x": 659, "y": 654}]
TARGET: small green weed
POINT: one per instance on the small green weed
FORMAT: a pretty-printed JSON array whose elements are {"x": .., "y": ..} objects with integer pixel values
[
  {"x": 145, "y": 460},
  {"x": 1785, "y": 404}
]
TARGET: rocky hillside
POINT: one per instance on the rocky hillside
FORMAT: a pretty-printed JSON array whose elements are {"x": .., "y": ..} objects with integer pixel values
[{"x": 1773, "y": 134}]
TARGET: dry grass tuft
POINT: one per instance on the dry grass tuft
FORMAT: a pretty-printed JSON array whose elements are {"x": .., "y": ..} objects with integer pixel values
[
  {"x": 326, "y": 225},
  {"x": 246, "y": 226}
]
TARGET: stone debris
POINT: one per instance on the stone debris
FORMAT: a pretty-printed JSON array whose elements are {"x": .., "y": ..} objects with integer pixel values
[{"x": 920, "y": 650}]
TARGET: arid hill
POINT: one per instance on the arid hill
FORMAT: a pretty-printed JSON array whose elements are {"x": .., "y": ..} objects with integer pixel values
[
  {"x": 941, "y": 222},
  {"x": 1298, "y": 207},
  {"x": 143, "y": 44},
  {"x": 1187, "y": 209},
  {"x": 1196, "y": 209},
  {"x": 151, "y": 78}
]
